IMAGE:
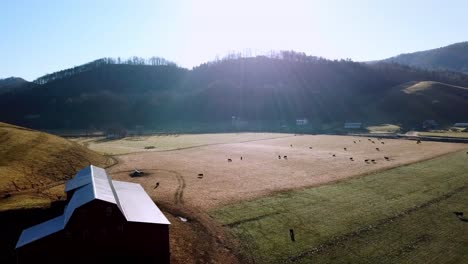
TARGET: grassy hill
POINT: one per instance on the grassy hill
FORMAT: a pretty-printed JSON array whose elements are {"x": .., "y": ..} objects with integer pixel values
[
  {"x": 451, "y": 58},
  {"x": 33, "y": 162},
  {"x": 262, "y": 93},
  {"x": 425, "y": 100}
]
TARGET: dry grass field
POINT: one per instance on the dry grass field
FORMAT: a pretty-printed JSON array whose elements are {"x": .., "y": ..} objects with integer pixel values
[
  {"x": 32, "y": 163},
  {"x": 168, "y": 142},
  {"x": 311, "y": 161}
]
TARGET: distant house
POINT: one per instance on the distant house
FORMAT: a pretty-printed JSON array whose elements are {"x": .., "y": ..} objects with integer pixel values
[
  {"x": 352, "y": 125},
  {"x": 302, "y": 121},
  {"x": 106, "y": 220},
  {"x": 460, "y": 125},
  {"x": 430, "y": 124}
]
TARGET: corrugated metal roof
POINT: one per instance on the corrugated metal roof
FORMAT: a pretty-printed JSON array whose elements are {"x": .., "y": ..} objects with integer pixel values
[
  {"x": 93, "y": 183},
  {"x": 136, "y": 205},
  {"x": 39, "y": 231}
]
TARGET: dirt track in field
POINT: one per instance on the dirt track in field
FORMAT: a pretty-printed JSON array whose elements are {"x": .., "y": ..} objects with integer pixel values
[{"x": 261, "y": 172}]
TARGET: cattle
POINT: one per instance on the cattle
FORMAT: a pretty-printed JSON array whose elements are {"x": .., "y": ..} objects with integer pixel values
[
  {"x": 334, "y": 155},
  {"x": 418, "y": 142},
  {"x": 373, "y": 142},
  {"x": 310, "y": 147},
  {"x": 229, "y": 160},
  {"x": 285, "y": 157},
  {"x": 156, "y": 186},
  {"x": 377, "y": 149},
  {"x": 351, "y": 159},
  {"x": 279, "y": 156},
  {"x": 459, "y": 214},
  {"x": 373, "y": 160},
  {"x": 382, "y": 143},
  {"x": 200, "y": 175},
  {"x": 354, "y": 142},
  {"x": 241, "y": 158},
  {"x": 345, "y": 149},
  {"x": 366, "y": 160},
  {"x": 387, "y": 158},
  {"x": 291, "y": 145}
]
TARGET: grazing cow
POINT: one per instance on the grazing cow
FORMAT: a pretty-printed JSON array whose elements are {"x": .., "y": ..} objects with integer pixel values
[
  {"x": 373, "y": 142},
  {"x": 200, "y": 175},
  {"x": 373, "y": 160},
  {"x": 351, "y": 158},
  {"x": 354, "y": 142},
  {"x": 285, "y": 157},
  {"x": 279, "y": 157},
  {"x": 466, "y": 152},
  {"x": 366, "y": 160},
  {"x": 459, "y": 214},
  {"x": 241, "y": 157},
  {"x": 156, "y": 186},
  {"x": 418, "y": 142},
  {"x": 334, "y": 155},
  {"x": 345, "y": 149},
  {"x": 359, "y": 140},
  {"x": 377, "y": 149},
  {"x": 291, "y": 145},
  {"x": 229, "y": 160},
  {"x": 382, "y": 143},
  {"x": 310, "y": 147}
]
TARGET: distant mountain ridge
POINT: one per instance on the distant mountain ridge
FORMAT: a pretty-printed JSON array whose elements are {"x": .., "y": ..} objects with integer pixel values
[
  {"x": 11, "y": 83},
  {"x": 451, "y": 58},
  {"x": 245, "y": 93}
]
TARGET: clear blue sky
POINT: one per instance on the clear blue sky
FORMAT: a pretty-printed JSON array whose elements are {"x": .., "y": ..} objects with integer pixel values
[{"x": 39, "y": 37}]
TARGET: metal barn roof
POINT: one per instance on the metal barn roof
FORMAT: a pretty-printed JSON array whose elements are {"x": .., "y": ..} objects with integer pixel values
[
  {"x": 93, "y": 183},
  {"x": 39, "y": 231}
]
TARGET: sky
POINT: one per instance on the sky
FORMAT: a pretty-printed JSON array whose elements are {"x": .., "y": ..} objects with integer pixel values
[{"x": 43, "y": 36}]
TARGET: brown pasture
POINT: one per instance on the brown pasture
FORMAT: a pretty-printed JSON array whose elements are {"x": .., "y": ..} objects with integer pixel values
[{"x": 260, "y": 172}]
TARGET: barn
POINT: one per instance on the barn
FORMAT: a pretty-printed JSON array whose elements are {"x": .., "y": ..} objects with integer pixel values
[{"x": 106, "y": 220}]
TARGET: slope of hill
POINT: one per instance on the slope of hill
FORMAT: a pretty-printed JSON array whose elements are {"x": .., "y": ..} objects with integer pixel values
[
  {"x": 451, "y": 58},
  {"x": 426, "y": 100},
  {"x": 11, "y": 83},
  {"x": 261, "y": 93},
  {"x": 32, "y": 162}
]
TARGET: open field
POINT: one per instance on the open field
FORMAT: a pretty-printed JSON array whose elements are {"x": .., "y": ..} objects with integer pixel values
[
  {"x": 168, "y": 142},
  {"x": 261, "y": 173},
  {"x": 32, "y": 163},
  {"x": 444, "y": 134},
  {"x": 386, "y": 128},
  {"x": 401, "y": 215}
]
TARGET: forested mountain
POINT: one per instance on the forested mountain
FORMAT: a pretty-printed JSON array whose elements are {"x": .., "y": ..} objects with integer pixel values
[
  {"x": 11, "y": 83},
  {"x": 452, "y": 58},
  {"x": 263, "y": 92}
]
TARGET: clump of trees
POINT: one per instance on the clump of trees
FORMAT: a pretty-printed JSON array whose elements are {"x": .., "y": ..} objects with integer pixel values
[{"x": 153, "y": 61}]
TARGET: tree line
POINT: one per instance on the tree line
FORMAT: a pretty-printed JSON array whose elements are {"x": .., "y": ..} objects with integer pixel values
[{"x": 152, "y": 61}]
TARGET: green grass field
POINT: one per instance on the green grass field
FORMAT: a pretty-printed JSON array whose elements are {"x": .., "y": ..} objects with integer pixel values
[{"x": 402, "y": 215}]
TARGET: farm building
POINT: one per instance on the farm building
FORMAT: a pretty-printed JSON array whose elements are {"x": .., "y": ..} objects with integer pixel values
[
  {"x": 302, "y": 121},
  {"x": 351, "y": 125},
  {"x": 104, "y": 220},
  {"x": 460, "y": 125}
]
